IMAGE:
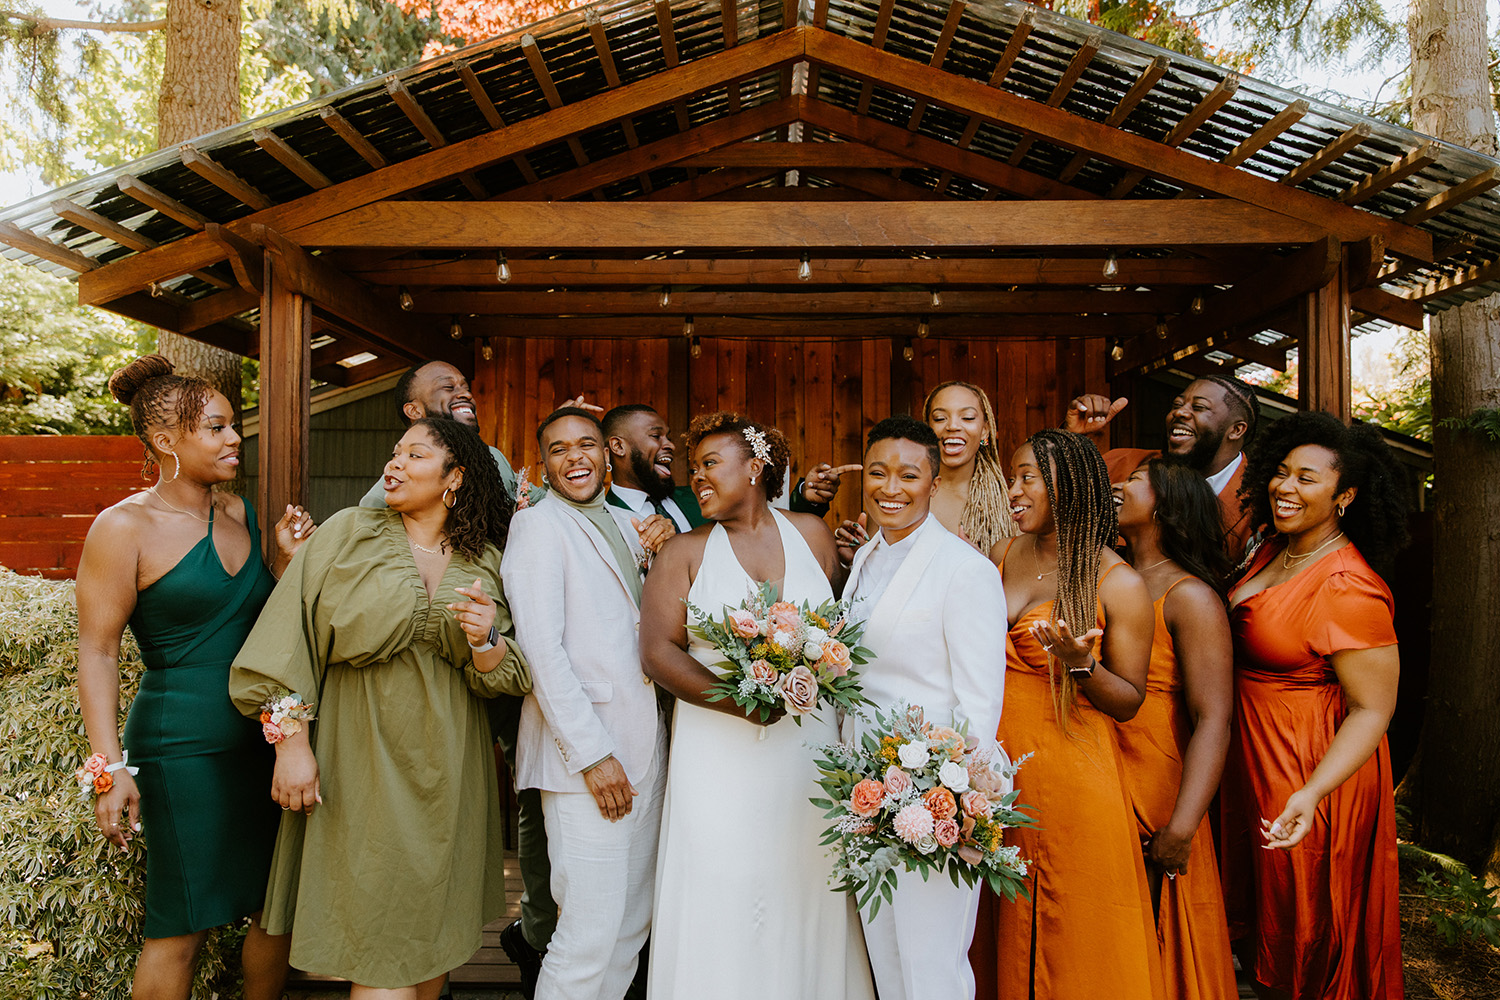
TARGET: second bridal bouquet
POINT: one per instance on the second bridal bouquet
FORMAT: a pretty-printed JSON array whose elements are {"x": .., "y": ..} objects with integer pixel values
[
  {"x": 919, "y": 796},
  {"x": 779, "y": 654}
]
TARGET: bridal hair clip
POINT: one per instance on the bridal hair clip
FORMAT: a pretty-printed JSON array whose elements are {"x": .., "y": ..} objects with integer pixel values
[
  {"x": 758, "y": 444},
  {"x": 97, "y": 773},
  {"x": 282, "y": 716}
]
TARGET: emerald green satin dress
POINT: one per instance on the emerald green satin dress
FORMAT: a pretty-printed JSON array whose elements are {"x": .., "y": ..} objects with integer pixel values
[{"x": 208, "y": 820}]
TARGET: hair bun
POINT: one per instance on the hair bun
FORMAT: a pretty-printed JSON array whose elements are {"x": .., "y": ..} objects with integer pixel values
[{"x": 127, "y": 381}]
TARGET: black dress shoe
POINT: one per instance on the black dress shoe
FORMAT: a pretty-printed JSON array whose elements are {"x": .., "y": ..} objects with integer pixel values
[{"x": 528, "y": 960}]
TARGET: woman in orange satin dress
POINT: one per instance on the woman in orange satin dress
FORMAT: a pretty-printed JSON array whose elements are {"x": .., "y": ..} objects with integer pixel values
[
  {"x": 1087, "y": 931},
  {"x": 1173, "y": 750},
  {"x": 1316, "y": 665}
]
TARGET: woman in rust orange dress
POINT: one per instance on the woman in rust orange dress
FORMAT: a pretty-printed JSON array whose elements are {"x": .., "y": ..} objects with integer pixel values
[
  {"x": 1087, "y": 931},
  {"x": 1316, "y": 666},
  {"x": 1173, "y": 750}
]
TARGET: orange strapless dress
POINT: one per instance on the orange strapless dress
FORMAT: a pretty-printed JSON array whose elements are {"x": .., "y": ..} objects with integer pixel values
[
  {"x": 1087, "y": 931},
  {"x": 1323, "y": 916},
  {"x": 1190, "y": 925}
]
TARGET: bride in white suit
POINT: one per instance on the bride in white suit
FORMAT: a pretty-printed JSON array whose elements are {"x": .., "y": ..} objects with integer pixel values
[
  {"x": 936, "y": 613},
  {"x": 743, "y": 907}
]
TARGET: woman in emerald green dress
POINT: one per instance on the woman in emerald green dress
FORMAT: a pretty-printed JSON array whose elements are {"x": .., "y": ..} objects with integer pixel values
[
  {"x": 180, "y": 564},
  {"x": 387, "y": 631}
]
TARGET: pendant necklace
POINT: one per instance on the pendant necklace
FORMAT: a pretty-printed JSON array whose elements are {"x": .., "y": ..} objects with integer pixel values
[
  {"x": 1287, "y": 559},
  {"x": 436, "y": 552},
  {"x": 1036, "y": 554}
]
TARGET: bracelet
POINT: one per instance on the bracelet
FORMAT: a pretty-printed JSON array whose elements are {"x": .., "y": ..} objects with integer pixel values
[
  {"x": 97, "y": 773},
  {"x": 282, "y": 716},
  {"x": 490, "y": 642},
  {"x": 1083, "y": 673}
]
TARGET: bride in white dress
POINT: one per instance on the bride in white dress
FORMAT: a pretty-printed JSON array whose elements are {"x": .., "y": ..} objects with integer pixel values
[{"x": 743, "y": 907}]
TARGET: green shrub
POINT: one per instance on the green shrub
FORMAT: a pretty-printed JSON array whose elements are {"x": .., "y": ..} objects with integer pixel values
[
  {"x": 1465, "y": 908},
  {"x": 71, "y": 904}
]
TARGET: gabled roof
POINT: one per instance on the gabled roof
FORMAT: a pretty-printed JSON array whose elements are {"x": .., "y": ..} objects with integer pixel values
[{"x": 990, "y": 99}]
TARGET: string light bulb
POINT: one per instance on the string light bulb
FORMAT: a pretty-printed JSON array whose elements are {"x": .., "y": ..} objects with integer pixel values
[
  {"x": 923, "y": 329},
  {"x": 687, "y": 326},
  {"x": 1111, "y": 265},
  {"x": 937, "y": 299},
  {"x": 486, "y": 351},
  {"x": 1161, "y": 328},
  {"x": 666, "y": 296},
  {"x": 1196, "y": 306},
  {"x": 695, "y": 347},
  {"x": 908, "y": 351},
  {"x": 1117, "y": 352},
  {"x": 455, "y": 329},
  {"x": 804, "y": 268},
  {"x": 405, "y": 299},
  {"x": 502, "y": 268}
]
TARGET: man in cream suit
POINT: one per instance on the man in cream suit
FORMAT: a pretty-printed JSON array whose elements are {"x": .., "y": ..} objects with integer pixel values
[
  {"x": 937, "y": 624},
  {"x": 591, "y": 738}
]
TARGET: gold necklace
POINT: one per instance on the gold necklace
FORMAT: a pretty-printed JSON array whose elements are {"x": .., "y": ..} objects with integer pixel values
[
  {"x": 1145, "y": 569},
  {"x": 1287, "y": 557},
  {"x": 205, "y": 520},
  {"x": 436, "y": 552},
  {"x": 1036, "y": 554}
]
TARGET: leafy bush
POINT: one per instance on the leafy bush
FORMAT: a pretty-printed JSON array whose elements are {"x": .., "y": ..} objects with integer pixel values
[
  {"x": 71, "y": 904},
  {"x": 1464, "y": 907}
]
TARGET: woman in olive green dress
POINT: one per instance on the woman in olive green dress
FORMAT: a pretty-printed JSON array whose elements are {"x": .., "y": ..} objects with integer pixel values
[
  {"x": 390, "y": 627},
  {"x": 180, "y": 564}
]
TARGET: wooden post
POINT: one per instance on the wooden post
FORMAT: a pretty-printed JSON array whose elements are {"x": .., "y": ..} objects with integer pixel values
[
  {"x": 1323, "y": 361},
  {"x": 285, "y": 397}
]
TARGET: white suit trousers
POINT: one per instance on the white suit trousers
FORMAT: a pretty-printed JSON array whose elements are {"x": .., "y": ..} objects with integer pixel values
[
  {"x": 603, "y": 878},
  {"x": 919, "y": 942}
]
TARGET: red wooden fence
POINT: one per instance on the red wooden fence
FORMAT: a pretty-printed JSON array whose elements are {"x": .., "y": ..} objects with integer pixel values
[{"x": 50, "y": 490}]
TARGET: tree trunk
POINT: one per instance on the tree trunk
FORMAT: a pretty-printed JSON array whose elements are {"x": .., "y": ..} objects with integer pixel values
[
  {"x": 200, "y": 92},
  {"x": 1457, "y": 791}
]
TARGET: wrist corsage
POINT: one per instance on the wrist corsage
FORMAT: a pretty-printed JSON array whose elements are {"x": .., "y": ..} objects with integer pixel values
[
  {"x": 96, "y": 776},
  {"x": 282, "y": 716}
]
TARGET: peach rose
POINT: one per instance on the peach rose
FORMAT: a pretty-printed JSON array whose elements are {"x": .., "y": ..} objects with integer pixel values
[
  {"x": 946, "y": 832},
  {"x": 799, "y": 690},
  {"x": 743, "y": 624},
  {"x": 762, "y": 673},
  {"x": 785, "y": 616},
  {"x": 897, "y": 781},
  {"x": 867, "y": 797},
  {"x": 290, "y": 727},
  {"x": 271, "y": 732},
  {"x": 949, "y": 736},
  {"x": 836, "y": 660},
  {"x": 939, "y": 802},
  {"x": 104, "y": 783},
  {"x": 976, "y": 804}
]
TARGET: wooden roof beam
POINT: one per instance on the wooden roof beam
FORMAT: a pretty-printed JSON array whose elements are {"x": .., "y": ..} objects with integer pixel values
[
  {"x": 216, "y": 308},
  {"x": 1064, "y": 87},
  {"x": 729, "y": 21},
  {"x": 940, "y": 225},
  {"x": 111, "y": 230},
  {"x": 1271, "y": 356},
  {"x": 1148, "y": 79},
  {"x": 1479, "y": 274},
  {"x": 134, "y": 187},
  {"x": 1391, "y": 308},
  {"x": 39, "y": 246},
  {"x": 876, "y": 183},
  {"x": 796, "y": 329},
  {"x": 227, "y": 181},
  {"x": 797, "y": 155},
  {"x": 612, "y": 77},
  {"x": 184, "y": 255},
  {"x": 1456, "y": 195},
  {"x": 282, "y": 152},
  {"x": 1008, "y": 58},
  {"x": 882, "y": 27},
  {"x": 166, "y": 312},
  {"x": 939, "y": 53},
  {"x": 424, "y": 124},
  {"x": 543, "y": 76},
  {"x": 1183, "y": 130},
  {"x": 668, "y": 34},
  {"x": 491, "y": 113},
  {"x": 760, "y": 271},
  {"x": 345, "y": 130},
  {"x": 1267, "y": 133},
  {"x": 710, "y": 184},
  {"x": 1114, "y": 145},
  {"x": 1395, "y": 172},
  {"x": 1351, "y": 137}
]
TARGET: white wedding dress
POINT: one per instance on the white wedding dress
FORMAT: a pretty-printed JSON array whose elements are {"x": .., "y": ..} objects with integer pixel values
[{"x": 743, "y": 907}]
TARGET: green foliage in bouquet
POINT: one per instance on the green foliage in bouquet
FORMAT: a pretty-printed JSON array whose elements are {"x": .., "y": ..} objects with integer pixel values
[
  {"x": 762, "y": 674},
  {"x": 921, "y": 797},
  {"x": 71, "y": 904}
]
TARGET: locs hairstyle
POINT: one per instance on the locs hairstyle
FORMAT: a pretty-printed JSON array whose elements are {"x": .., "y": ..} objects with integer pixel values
[{"x": 986, "y": 518}]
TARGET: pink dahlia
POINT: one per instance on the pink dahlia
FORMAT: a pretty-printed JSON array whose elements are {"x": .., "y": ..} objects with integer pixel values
[{"x": 913, "y": 823}]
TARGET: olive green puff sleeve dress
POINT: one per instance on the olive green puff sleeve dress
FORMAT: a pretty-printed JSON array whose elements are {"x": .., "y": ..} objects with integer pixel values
[{"x": 392, "y": 878}]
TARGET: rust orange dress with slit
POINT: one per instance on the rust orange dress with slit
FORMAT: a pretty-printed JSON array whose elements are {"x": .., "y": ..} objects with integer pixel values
[
  {"x": 1190, "y": 926},
  {"x": 1085, "y": 934},
  {"x": 1322, "y": 917}
]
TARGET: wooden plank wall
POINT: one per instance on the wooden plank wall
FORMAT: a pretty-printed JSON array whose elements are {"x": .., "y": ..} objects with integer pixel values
[
  {"x": 824, "y": 395},
  {"x": 50, "y": 490}
]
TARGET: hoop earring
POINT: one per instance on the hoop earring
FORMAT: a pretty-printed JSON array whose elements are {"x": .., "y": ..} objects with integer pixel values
[
  {"x": 446, "y": 491},
  {"x": 1341, "y": 508},
  {"x": 176, "y": 466},
  {"x": 609, "y": 466}
]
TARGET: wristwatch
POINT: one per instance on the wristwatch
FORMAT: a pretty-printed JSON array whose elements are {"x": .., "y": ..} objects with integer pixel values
[
  {"x": 1083, "y": 673},
  {"x": 490, "y": 642}
]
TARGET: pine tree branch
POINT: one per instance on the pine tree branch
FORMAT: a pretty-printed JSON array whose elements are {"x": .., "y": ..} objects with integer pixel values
[{"x": 41, "y": 25}]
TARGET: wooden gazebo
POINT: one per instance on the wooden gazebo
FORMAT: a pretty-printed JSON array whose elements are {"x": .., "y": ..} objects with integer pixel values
[{"x": 812, "y": 212}]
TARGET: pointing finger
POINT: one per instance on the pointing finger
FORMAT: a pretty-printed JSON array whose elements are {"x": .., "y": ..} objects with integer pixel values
[{"x": 839, "y": 470}]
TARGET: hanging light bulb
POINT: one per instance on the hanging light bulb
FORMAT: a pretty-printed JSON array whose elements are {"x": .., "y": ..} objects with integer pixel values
[
  {"x": 937, "y": 299},
  {"x": 1117, "y": 352},
  {"x": 502, "y": 269},
  {"x": 1161, "y": 328},
  {"x": 908, "y": 352},
  {"x": 687, "y": 326},
  {"x": 1196, "y": 306},
  {"x": 486, "y": 351},
  {"x": 455, "y": 329},
  {"x": 695, "y": 347},
  {"x": 405, "y": 299},
  {"x": 923, "y": 329},
  {"x": 804, "y": 269},
  {"x": 666, "y": 296},
  {"x": 1111, "y": 265}
]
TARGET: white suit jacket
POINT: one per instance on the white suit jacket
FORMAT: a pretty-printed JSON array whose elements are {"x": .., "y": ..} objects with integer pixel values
[
  {"x": 938, "y": 633},
  {"x": 579, "y": 629}
]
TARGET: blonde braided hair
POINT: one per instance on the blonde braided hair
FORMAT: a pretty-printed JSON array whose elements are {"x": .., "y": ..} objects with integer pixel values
[
  {"x": 1083, "y": 510},
  {"x": 986, "y": 517}
]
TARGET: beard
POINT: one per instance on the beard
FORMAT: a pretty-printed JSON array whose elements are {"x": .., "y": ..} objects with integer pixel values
[
  {"x": 1202, "y": 453},
  {"x": 651, "y": 482}
]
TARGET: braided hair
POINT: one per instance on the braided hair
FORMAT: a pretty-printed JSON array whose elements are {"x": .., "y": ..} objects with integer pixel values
[
  {"x": 158, "y": 399},
  {"x": 986, "y": 518},
  {"x": 729, "y": 422},
  {"x": 1240, "y": 395},
  {"x": 1083, "y": 510},
  {"x": 481, "y": 510}
]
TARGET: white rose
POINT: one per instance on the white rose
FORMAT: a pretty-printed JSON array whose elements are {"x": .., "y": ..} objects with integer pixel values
[
  {"x": 927, "y": 844},
  {"x": 955, "y": 776},
  {"x": 816, "y": 636},
  {"x": 781, "y": 638},
  {"x": 913, "y": 755},
  {"x": 812, "y": 651}
]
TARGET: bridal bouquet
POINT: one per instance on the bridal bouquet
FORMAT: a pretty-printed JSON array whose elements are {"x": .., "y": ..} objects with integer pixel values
[
  {"x": 924, "y": 797},
  {"x": 776, "y": 653}
]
